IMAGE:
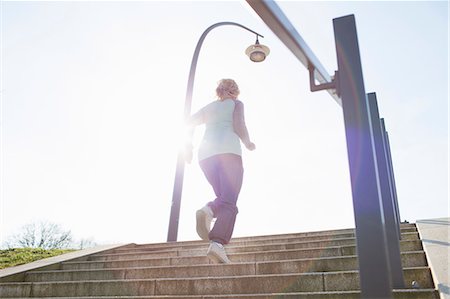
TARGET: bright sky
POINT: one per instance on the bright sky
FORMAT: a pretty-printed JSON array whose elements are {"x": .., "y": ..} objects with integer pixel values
[{"x": 92, "y": 97}]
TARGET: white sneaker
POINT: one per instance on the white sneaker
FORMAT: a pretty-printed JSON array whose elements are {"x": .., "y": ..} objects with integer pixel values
[
  {"x": 217, "y": 253},
  {"x": 204, "y": 217}
]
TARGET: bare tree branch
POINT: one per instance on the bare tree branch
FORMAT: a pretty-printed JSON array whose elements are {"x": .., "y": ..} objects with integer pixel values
[{"x": 42, "y": 235}]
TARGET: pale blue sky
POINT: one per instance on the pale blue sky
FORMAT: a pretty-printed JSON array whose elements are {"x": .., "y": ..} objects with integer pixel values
[{"x": 92, "y": 100}]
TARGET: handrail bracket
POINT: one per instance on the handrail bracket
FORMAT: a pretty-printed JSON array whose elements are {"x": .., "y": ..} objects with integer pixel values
[{"x": 334, "y": 84}]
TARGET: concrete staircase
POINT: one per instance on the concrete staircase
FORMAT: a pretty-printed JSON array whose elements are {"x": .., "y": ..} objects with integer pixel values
[{"x": 304, "y": 265}]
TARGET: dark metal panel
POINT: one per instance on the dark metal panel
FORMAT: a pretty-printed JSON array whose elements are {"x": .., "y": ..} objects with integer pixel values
[
  {"x": 391, "y": 175},
  {"x": 375, "y": 280},
  {"x": 280, "y": 25},
  {"x": 393, "y": 244}
]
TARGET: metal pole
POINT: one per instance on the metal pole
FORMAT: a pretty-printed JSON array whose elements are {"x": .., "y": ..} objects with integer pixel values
[
  {"x": 393, "y": 245},
  {"x": 387, "y": 148},
  {"x": 375, "y": 280},
  {"x": 172, "y": 234}
]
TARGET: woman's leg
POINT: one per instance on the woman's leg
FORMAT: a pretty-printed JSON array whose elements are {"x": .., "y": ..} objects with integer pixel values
[
  {"x": 228, "y": 183},
  {"x": 211, "y": 170}
]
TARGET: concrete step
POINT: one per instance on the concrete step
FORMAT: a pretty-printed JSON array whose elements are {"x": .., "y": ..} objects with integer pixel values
[
  {"x": 251, "y": 242},
  {"x": 235, "y": 248},
  {"x": 257, "y": 256},
  {"x": 334, "y": 264},
  {"x": 398, "y": 294},
  {"x": 304, "y": 265},
  {"x": 247, "y": 284},
  {"x": 405, "y": 228},
  {"x": 200, "y": 249},
  {"x": 410, "y": 234}
]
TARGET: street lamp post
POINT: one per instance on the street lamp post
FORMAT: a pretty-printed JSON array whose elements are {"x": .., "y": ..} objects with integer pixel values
[{"x": 256, "y": 53}]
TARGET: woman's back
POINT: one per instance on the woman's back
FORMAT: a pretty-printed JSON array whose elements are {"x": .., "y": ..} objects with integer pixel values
[{"x": 219, "y": 137}]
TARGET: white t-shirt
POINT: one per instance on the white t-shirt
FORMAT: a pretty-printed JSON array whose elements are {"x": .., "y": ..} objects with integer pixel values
[{"x": 220, "y": 136}]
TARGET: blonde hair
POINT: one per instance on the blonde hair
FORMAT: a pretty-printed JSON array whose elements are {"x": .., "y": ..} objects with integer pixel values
[{"x": 226, "y": 89}]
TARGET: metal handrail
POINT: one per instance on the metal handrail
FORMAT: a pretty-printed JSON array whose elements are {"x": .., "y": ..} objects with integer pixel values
[
  {"x": 280, "y": 25},
  {"x": 347, "y": 88}
]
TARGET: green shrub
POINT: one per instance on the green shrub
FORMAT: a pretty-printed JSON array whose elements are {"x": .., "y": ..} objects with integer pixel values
[{"x": 19, "y": 256}]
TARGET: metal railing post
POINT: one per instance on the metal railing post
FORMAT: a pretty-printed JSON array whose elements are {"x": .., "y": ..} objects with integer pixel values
[
  {"x": 347, "y": 88},
  {"x": 393, "y": 244},
  {"x": 374, "y": 271},
  {"x": 387, "y": 148}
]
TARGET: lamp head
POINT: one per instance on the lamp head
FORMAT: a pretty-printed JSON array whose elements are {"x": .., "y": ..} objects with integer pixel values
[{"x": 257, "y": 52}]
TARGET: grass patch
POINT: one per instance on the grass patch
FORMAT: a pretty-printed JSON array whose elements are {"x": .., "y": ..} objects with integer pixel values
[{"x": 20, "y": 256}]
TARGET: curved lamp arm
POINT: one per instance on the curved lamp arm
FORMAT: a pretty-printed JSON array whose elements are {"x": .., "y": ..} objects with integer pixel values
[
  {"x": 190, "y": 86},
  {"x": 179, "y": 174}
]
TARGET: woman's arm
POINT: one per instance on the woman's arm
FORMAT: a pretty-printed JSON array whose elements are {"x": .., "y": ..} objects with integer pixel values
[
  {"x": 193, "y": 121},
  {"x": 240, "y": 127},
  {"x": 196, "y": 119}
]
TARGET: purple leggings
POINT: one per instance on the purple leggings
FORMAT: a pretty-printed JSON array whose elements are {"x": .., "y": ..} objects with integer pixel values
[{"x": 224, "y": 172}]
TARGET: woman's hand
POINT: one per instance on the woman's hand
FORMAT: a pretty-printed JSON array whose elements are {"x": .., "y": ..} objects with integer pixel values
[
  {"x": 250, "y": 146},
  {"x": 188, "y": 153}
]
